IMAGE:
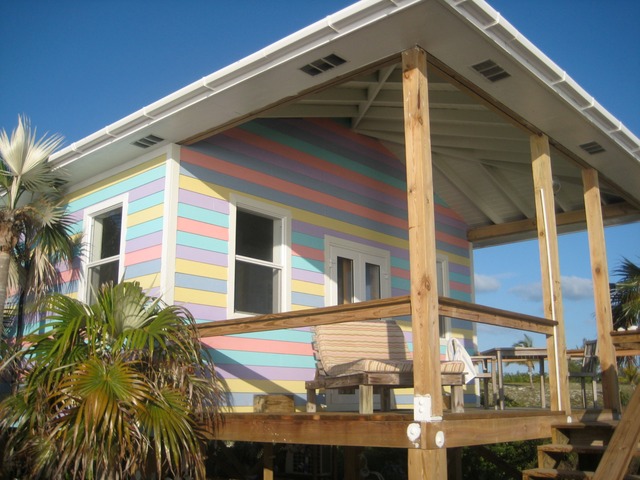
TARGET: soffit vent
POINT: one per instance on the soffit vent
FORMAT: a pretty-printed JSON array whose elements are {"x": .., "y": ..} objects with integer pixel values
[
  {"x": 592, "y": 148},
  {"x": 491, "y": 70},
  {"x": 322, "y": 64},
  {"x": 148, "y": 141}
]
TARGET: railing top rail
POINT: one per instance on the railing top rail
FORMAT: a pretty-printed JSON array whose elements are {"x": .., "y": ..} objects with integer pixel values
[{"x": 372, "y": 309}]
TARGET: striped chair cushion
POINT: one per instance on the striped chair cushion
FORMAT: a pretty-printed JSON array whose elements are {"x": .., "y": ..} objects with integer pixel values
[{"x": 369, "y": 346}]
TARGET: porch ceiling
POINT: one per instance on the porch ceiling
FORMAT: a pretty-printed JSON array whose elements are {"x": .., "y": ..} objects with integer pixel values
[{"x": 482, "y": 159}]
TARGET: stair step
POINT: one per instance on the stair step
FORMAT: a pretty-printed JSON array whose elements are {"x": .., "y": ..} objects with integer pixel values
[
  {"x": 537, "y": 473},
  {"x": 589, "y": 424},
  {"x": 568, "y": 448}
]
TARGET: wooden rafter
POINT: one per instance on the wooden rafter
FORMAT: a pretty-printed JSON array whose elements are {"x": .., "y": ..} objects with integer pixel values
[{"x": 469, "y": 191}]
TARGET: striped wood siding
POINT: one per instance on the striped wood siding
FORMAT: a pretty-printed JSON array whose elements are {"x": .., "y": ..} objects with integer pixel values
[{"x": 334, "y": 182}]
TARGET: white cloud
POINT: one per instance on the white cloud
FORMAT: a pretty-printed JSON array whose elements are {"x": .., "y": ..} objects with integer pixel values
[
  {"x": 531, "y": 292},
  {"x": 486, "y": 283},
  {"x": 573, "y": 288},
  {"x": 577, "y": 288}
]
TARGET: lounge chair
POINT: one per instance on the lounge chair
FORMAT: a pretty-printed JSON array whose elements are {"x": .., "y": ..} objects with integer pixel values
[{"x": 371, "y": 355}]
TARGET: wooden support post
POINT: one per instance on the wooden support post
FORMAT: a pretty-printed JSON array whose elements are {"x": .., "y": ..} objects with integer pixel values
[
  {"x": 267, "y": 458},
  {"x": 602, "y": 298},
  {"x": 352, "y": 463},
  {"x": 550, "y": 269},
  {"x": 423, "y": 464}
]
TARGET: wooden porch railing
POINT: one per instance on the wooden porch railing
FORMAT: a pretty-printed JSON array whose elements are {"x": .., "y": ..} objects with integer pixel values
[{"x": 373, "y": 309}]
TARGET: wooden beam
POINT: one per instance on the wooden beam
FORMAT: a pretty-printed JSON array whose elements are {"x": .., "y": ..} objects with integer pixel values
[
  {"x": 609, "y": 212},
  {"x": 550, "y": 270},
  {"x": 422, "y": 253},
  {"x": 386, "y": 429},
  {"x": 601, "y": 294}
]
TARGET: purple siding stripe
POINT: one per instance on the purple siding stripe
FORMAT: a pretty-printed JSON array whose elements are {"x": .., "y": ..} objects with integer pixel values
[
  {"x": 143, "y": 242},
  {"x": 204, "y": 201},
  {"x": 146, "y": 189},
  {"x": 307, "y": 276},
  {"x": 205, "y": 313},
  {"x": 461, "y": 269},
  {"x": 203, "y": 256}
]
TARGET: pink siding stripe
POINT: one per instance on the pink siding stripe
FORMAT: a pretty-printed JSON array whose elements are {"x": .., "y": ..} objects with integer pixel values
[
  {"x": 307, "y": 252},
  {"x": 451, "y": 240},
  {"x": 314, "y": 162},
  {"x": 461, "y": 287},
  {"x": 400, "y": 273},
  {"x": 338, "y": 129},
  {"x": 201, "y": 228},
  {"x": 210, "y": 162},
  {"x": 258, "y": 345},
  {"x": 144, "y": 255}
]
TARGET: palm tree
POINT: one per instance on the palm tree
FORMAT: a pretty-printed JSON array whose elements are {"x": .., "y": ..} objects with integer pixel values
[
  {"x": 527, "y": 341},
  {"x": 110, "y": 386},
  {"x": 30, "y": 191},
  {"x": 37, "y": 256},
  {"x": 625, "y": 308},
  {"x": 625, "y": 296}
]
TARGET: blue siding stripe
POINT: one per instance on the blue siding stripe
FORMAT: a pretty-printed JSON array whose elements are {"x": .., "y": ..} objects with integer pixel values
[
  {"x": 307, "y": 264},
  {"x": 142, "y": 269},
  {"x": 307, "y": 240},
  {"x": 203, "y": 215},
  {"x": 202, "y": 242},
  {"x": 201, "y": 283},
  {"x": 294, "y": 336},
  {"x": 146, "y": 202},
  {"x": 306, "y": 299},
  {"x": 145, "y": 228},
  {"x": 223, "y": 357},
  {"x": 117, "y": 189}
]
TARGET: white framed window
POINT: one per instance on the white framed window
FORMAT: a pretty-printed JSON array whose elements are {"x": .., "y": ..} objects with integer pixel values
[
  {"x": 259, "y": 251},
  {"x": 355, "y": 272},
  {"x": 105, "y": 237}
]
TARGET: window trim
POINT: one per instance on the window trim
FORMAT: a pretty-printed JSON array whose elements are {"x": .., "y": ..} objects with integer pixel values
[
  {"x": 239, "y": 202},
  {"x": 363, "y": 253},
  {"x": 90, "y": 213}
]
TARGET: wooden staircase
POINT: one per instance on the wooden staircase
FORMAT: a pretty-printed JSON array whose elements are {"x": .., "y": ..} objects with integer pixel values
[{"x": 601, "y": 448}]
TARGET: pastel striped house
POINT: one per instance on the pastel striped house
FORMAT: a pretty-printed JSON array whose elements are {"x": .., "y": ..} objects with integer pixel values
[
  {"x": 272, "y": 215},
  {"x": 279, "y": 184}
]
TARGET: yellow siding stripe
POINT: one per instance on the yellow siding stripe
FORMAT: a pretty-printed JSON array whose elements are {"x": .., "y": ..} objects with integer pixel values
[
  {"x": 132, "y": 172},
  {"x": 145, "y": 215},
  {"x": 265, "y": 386},
  {"x": 198, "y": 296},
  {"x": 191, "y": 267},
  {"x": 147, "y": 281},
  {"x": 307, "y": 287}
]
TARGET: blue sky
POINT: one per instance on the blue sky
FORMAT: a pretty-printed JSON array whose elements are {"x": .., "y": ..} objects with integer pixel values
[{"x": 75, "y": 66}]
